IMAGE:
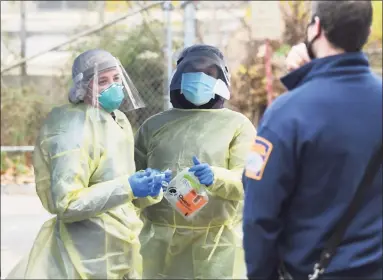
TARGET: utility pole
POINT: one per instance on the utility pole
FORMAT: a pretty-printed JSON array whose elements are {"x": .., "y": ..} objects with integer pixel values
[
  {"x": 189, "y": 23},
  {"x": 168, "y": 50},
  {"x": 101, "y": 17},
  {"x": 87, "y": 32},
  {"x": 23, "y": 37},
  {"x": 101, "y": 11},
  {"x": 252, "y": 19}
]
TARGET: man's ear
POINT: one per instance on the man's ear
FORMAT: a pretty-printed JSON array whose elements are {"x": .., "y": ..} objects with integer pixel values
[{"x": 317, "y": 25}]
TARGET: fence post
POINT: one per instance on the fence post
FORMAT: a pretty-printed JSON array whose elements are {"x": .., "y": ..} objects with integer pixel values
[
  {"x": 269, "y": 73},
  {"x": 189, "y": 23},
  {"x": 168, "y": 50},
  {"x": 100, "y": 5},
  {"x": 23, "y": 38}
]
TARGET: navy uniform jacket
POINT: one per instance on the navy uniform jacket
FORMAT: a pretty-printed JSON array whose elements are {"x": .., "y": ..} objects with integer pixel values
[{"x": 312, "y": 148}]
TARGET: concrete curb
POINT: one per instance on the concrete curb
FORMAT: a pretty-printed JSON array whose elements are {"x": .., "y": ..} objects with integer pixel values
[{"x": 17, "y": 189}]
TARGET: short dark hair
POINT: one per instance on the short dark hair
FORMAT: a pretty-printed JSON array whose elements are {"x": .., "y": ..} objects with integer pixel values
[{"x": 346, "y": 24}]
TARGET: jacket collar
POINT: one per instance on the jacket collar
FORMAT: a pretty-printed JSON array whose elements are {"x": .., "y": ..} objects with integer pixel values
[{"x": 341, "y": 64}]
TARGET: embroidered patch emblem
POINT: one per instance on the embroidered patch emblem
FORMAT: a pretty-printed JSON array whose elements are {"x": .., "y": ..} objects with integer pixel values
[{"x": 258, "y": 157}]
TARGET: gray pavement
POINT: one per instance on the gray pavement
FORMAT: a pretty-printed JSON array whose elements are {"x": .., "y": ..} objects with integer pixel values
[{"x": 22, "y": 215}]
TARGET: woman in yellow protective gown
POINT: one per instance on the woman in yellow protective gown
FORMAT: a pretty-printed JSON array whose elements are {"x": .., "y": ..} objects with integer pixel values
[
  {"x": 210, "y": 245},
  {"x": 85, "y": 176}
]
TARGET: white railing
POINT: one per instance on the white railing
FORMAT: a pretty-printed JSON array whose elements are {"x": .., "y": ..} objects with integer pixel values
[{"x": 17, "y": 148}]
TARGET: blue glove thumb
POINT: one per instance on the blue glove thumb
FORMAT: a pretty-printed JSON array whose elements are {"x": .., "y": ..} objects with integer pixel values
[
  {"x": 168, "y": 175},
  {"x": 195, "y": 160}
]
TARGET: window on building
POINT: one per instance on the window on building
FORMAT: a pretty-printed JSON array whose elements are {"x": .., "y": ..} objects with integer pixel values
[{"x": 62, "y": 5}]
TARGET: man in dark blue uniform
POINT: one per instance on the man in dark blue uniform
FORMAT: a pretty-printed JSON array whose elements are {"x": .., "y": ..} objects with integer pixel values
[{"x": 312, "y": 149}]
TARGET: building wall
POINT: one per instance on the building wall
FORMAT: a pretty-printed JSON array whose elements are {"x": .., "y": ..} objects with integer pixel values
[{"x": 49, "y": 24}]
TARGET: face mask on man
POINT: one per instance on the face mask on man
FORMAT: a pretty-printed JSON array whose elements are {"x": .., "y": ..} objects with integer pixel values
[
  {"x": 309, "y": 44},
  {"x": 198, "y": 88}
]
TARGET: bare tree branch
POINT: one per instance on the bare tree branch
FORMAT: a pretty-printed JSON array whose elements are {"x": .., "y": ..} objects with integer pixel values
[{"x": 146, "y": 25}]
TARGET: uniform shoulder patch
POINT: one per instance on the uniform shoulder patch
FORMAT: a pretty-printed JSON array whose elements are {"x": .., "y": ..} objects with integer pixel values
[{"x": 259, "y": 155}]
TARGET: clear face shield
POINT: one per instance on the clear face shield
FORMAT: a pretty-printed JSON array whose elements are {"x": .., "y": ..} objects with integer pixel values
[
  {"x": 111, "y": 88},
  {"x": 202, "y": 68}
]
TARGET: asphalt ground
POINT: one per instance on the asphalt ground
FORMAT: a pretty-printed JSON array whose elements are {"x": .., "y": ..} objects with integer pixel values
[{"x": 22, "y": 216}]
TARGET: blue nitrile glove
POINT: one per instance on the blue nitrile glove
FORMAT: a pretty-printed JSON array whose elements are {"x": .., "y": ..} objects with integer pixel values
[
  {"x": 168, "y": 175},
  {"x": 155, "y": 187},
  {"x": 152, "y": 171},
  {"x": 168, "y": 178},
  {"x": 140, "y": 182},
  {"x": 203, "y": 172},
  {"x": 158, "y": 178}
]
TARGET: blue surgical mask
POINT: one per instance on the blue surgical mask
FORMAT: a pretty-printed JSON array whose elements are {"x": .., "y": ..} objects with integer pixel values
[
  {"x": 198, "y": 87},
  {"x": 111, "y": 98}
]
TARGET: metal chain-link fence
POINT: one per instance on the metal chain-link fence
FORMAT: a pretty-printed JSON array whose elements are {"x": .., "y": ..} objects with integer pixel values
[
  {"x": 145, "y": 39},
  {"x": 141, "y": 51},
  {"x": 138, "y": 39},
  {"x": 135, "y": 32}
]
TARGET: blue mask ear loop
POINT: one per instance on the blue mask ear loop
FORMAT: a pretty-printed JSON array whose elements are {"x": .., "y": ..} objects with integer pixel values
[{"x": 309, "y": 44}]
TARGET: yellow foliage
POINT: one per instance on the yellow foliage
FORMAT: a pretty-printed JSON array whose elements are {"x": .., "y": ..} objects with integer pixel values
[
  {"x": 249, "y": 92},
  {"x": 176, "y": 3},
  {"x": 376, "y": 29},
  {"x": 295, "y": 15},
  {"x": 297, "y": 8},
  {"x": 248, "y": 13},
  {"x": 113, "y": 6},
  {"x": 255, "y": 69},
  {"x": 242, "y": 69}
]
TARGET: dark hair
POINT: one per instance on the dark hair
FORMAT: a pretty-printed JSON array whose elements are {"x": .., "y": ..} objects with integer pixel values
[{"x": 346, "y": 24}]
